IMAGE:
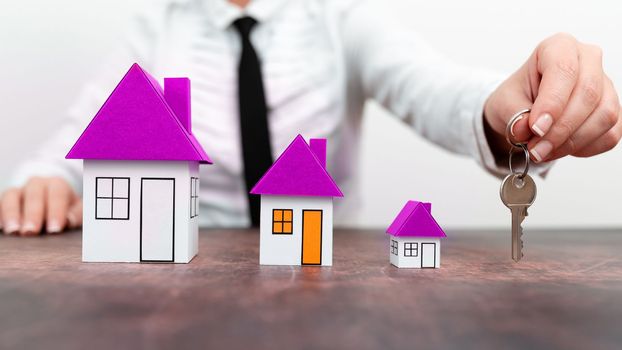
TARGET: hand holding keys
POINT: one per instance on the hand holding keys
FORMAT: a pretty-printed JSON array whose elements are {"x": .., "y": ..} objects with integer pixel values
[{"x": 518, "y": 190}]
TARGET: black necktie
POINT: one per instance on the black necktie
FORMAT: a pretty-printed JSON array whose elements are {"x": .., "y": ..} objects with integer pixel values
[{"x": 253, "y": 116}]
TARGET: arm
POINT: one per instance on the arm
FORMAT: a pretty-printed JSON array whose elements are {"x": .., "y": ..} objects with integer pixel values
[
  {"x": 44, "y": 190},
  {"x": 441, "y": 100}
]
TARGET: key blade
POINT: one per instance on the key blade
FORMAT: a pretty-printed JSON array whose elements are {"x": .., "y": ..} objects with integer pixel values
[{"x": 518, "y": 215}]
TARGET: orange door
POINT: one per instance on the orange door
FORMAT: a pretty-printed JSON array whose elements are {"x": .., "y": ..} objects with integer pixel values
[{"x": 311, "y": 237}]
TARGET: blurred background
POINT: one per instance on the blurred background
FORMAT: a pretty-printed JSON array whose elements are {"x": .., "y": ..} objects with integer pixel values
[{"x": 48, "y": 49}]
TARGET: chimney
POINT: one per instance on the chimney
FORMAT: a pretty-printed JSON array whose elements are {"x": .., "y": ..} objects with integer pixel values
[
  {"x": 177, "y": 95},
  {"x": 318, "y": 147},
  {"x": 427, "y": 206}
]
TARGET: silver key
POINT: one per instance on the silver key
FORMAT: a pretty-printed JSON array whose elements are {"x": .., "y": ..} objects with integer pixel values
[{"x": 518, "y": 194}]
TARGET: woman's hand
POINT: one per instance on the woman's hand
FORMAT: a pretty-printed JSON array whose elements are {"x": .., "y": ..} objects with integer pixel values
[
  {"x": 48, "y": 200},
  {"x": 574, "y": 106}
]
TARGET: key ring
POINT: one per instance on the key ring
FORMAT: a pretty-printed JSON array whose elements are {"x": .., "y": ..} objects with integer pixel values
[
  {"x": 526, "y": 152},
  {"x": 517, "y": 145}
]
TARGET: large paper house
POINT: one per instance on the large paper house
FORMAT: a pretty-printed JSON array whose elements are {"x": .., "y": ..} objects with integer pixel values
[
  {"x": 296, "y": 220},
  {"x": 141, "y": 174},
  {"x": 415, "y": 237}
]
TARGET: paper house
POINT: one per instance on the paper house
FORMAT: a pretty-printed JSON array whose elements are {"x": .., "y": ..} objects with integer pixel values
[
  {"x": 141, "y": 174},
  {"x": 296, "y": 220},
  {"x": 415, "y": 237}
]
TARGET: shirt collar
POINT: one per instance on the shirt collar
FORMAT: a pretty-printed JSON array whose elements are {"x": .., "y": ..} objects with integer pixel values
[{"x": 221, "y": 13}]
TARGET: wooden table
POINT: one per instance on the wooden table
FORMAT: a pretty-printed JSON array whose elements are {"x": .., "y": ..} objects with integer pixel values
[{"x": 566, "y": 293}]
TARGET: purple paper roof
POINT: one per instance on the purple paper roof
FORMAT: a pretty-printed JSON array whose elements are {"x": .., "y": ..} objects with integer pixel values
[
  {"x": 137, "y": 123},
  {"x": 416, "y": 220},
  {"x": 298, "y": 172}
]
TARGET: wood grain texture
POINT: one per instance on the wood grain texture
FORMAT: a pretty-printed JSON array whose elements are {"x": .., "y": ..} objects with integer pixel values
[{"x": 566, "y": 293}]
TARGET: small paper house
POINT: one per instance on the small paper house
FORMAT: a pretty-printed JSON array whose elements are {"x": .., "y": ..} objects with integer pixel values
[
  {"x": 141, "y": 174},
  {"x": 415, "y": 237},
  {"x": 296, "y": 220}
]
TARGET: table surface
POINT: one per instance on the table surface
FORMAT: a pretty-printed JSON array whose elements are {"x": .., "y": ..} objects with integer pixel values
[{"x": 566, "y": 293}]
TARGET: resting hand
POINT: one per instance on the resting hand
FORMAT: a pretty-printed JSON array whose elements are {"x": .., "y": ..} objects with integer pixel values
[
  {"x": 574, "y": 106},
  {"x": 48, "y": 200}
]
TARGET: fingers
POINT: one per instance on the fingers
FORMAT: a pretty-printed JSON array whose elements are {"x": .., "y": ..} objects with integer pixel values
[
  {"x": 74, "y": 217},
  {"x": 557, "y": 61},
  {"x": 49, "y": 200},
  {"x": 34, "y": 207},
  {"x": 10, "y": 210},
  {"x": 558, "y": 123},
  {"x": 604, "y": 143},
  {"x": 602, "y": 119},
  {"x": 575, "y": 105},
  {"x": 59, "y": 197}
]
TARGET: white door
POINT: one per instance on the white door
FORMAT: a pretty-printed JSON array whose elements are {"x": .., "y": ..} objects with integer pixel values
[
  {"x": 157, "y": 219},
  {"x": 428, "y": 254}
]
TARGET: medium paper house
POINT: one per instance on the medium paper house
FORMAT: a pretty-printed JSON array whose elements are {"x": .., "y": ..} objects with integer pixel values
[
  {"x": 141, "y": 174},
  {"x": 415, "y": 237},
  {"x": 296, "y": 220}
]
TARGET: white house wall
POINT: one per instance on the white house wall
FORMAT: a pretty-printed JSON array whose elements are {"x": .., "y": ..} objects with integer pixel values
[
  {"x": 285, "y": 249},
  {"x": 412, "y": 262},
  {"x": 119, "y": 240},
  {"x": 193, "y": 229}
]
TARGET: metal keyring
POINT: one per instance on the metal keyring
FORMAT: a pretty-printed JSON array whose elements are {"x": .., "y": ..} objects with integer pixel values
[
  {"x": 509, "y": 135},
  {"x": 526, "y": 152}
]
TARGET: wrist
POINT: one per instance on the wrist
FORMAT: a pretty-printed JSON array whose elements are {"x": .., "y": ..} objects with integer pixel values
[{"x": 496, "y": 140}]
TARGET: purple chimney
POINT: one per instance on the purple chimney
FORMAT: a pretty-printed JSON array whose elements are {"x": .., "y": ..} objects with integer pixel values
[
  {"x": 427, "y": 206},
  {"x": 177, "y": 95},
  {"x": 318, "y": 147}
]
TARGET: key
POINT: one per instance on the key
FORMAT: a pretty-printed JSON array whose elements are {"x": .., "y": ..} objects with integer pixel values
[{"x": 518, "y": 195}]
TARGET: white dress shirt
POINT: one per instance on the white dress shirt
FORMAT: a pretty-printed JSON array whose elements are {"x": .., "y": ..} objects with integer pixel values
[{"x": 321, "y": 60}]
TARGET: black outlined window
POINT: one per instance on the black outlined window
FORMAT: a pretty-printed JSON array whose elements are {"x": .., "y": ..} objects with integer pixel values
[
  {"x": 411, "y": 249},
  {"x": 282, "y": 220},
  {"x": 394, "y": 247},
  {"x": 194, "y": 197},
  {"x": 112, "y": 198}
]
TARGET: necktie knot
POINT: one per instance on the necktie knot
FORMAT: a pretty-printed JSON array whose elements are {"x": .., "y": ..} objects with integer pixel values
[{"x": 244, "y": 25}]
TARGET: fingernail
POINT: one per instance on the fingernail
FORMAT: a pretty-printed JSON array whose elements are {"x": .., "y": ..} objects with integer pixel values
[
  {"x": 53, "y": 227},
  {"x": 541, "y": 150},
  {"x": 28, "y": 228},
  {"x": 542, "y": 124},
  {"x": 11, "y": 227}
]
